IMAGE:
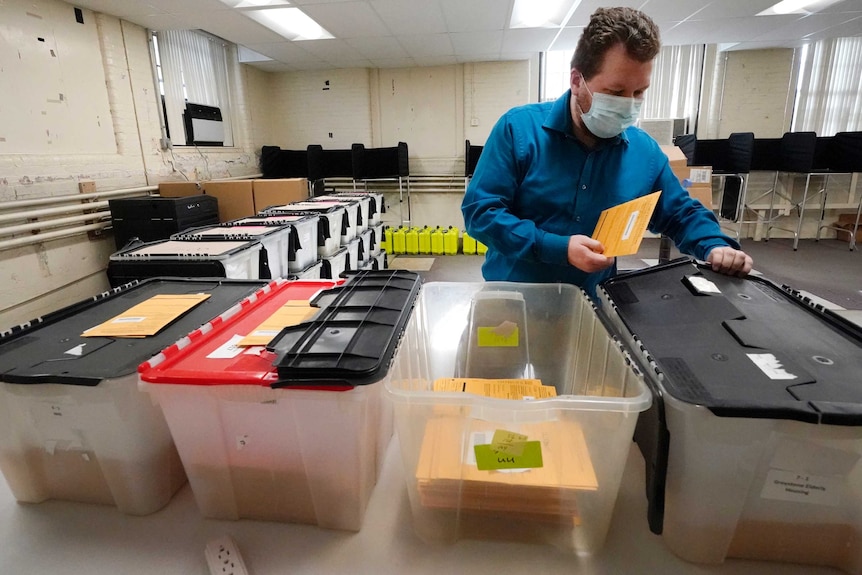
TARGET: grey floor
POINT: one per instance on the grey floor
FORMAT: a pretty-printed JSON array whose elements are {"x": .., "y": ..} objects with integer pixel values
[{"x": 827, "y": 269}]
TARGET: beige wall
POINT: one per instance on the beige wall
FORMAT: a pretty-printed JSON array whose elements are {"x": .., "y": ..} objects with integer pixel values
[{"x": 757, "y": 93}]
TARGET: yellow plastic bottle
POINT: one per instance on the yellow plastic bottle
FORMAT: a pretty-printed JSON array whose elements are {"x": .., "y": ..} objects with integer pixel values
[
  {"x": 425, "y": 240},
  {"x": 481, "y": 248},
  {"x": 412, "y": 241},
  {"x": 386, "y": 241},
  {"x": 437, "y": 241},
  {"x": 450, "y": 241},
  {"x": 468, "y": 244},
  {"x": 399, "y": 241}
]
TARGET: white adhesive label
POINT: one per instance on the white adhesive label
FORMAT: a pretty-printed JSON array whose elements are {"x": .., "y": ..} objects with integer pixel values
[
  {"x": 633, "y": 218},
  {"x": 703, "y": 285},
  {"x": 802, "y": 488},
  {"x": 770, "y": 366},
  {"x": 700, "y": 176},
  {"x": 228, "y": 350},
  {"x": 77, "y": 351}
]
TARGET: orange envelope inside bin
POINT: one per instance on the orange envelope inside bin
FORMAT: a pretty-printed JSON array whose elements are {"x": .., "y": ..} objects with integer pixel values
[{"x": 621, "y": 228}]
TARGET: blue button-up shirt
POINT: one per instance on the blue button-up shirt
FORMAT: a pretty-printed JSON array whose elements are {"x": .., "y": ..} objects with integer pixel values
[{"x": 536, "y": 185}]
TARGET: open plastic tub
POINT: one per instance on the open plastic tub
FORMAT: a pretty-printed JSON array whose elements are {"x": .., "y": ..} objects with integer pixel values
[
  {"x": 73, "y": 424},
  {"x": 258, "y": 445},
  {"x": 585, "y": 433}
]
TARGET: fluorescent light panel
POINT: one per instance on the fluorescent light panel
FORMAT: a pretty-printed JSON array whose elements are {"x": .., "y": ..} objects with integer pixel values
[
  {"x": 292, "y": 23},
  {"x": 255, "y": 3},
  {"x": 540, "y": 13},
  {"x": 796, "y": 7}
]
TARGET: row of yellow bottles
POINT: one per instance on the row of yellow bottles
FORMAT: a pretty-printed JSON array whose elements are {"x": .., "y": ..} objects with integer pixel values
[{"x": 428, "y": 240}]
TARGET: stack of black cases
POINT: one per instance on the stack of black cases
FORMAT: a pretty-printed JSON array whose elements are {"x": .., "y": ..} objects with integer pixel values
[
  {"x": 151, "y": 218},
  {"x": 754, "y": 440}
]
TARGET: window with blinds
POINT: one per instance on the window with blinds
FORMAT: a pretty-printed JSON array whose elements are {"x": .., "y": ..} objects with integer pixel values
[
  {"x": 828, "y": 96},
  {"x": 192, "y": 69}
]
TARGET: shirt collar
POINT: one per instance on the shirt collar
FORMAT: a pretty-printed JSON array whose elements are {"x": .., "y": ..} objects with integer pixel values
[{"x": 560, "y": 120}]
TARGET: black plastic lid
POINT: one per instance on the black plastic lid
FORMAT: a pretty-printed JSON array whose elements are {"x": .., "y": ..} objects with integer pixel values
[
  {"x": 51, "y": 349},
  {"x": 751, "y": 350},
  {"x": 352, "y": 339}
]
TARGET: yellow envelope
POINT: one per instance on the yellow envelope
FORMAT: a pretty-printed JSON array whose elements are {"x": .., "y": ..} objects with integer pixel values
[
  {"x": 148, "y": 317},
  {"x": 291, "y": 313},
  {"x": 621, "y": 228}
]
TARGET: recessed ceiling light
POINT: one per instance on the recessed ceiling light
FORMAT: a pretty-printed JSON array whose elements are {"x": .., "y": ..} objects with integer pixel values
[
  {"x": 292, "y": 23},
  {"x": 255, "y": 3},
  {"x": 541, "y": 13},
  {"x": 796, "y": 7}
]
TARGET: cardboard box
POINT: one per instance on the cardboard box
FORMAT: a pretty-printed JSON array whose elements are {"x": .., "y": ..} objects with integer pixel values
[
  {"x": 279, "y": 192},
  {"x": 843, "y": 231},
  {"x": 179, "y": 189},
  {"x": 243, "y": 198},
  {"x": 700, "y": 176},
  {"x": 702, "y": 193},
  {"x": 235, "y": 198}
]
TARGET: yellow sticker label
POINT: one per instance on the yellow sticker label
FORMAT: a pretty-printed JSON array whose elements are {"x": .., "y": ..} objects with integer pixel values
[
  {"x": 503, "y": 335},
  {"x": 508, "y": 442}
]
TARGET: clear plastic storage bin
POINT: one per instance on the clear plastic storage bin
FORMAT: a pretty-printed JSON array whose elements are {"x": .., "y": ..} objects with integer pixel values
[
  {"x": 333, "y": 224},
  {"x": 73, "y": 424},
  {"x": 297, "y": 431},
  {"x": 173, "y": 258},
  {"x": 276, "y": 241},
  {"x": 753, "y": 446},
  {"x": 336, "y": 264},
  {"x": 547, "y": 332},
  {"x": 303, "y": 242}
]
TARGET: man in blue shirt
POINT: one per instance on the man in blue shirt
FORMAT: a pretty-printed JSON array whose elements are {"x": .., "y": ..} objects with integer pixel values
[{"x": 548, "y": 170}]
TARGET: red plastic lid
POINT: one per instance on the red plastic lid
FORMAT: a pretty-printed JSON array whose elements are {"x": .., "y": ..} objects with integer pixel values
[{"x": 209, "y": 356}]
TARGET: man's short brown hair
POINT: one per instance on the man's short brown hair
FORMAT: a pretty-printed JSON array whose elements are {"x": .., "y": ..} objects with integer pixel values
[{"x": 611, "y": 26}]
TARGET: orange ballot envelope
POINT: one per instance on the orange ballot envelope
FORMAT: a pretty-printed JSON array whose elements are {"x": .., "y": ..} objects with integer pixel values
[{"x": 621, "y": 228}]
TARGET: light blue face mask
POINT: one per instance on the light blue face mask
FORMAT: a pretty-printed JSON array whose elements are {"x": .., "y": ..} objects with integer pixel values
[{"x": 610, "y": 115}]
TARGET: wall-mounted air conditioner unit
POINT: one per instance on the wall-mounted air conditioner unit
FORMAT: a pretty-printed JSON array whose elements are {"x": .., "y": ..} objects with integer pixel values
[
  {"x": 664, "y": 130},
  {"x": 204, "y": 125}
]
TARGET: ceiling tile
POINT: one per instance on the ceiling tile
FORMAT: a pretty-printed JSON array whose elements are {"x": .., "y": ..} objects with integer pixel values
[
  {"x": 475, "y": 15},
  {"x": 379, "y": 47},
  {"x": 477, "y": 42},
  {"x": 348, "y": 19},
  {"x": 528, "y": 39},
  {"x": 236, "y": 27},
  {"x": 410, "y": 16},
  {"x": 568, "y": 38},
  {"x": 427, "y": 45},
  {"x": 394, "y": 62}
]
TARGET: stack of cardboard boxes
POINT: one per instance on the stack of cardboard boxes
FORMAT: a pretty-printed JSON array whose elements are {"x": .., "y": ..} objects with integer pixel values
[
  {"x": 241, "y": 198},
  {"x": 699, "y": 176}
]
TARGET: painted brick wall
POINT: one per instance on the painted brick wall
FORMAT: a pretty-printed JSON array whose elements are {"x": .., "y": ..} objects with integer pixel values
[
  {"x": 757, "y": 85},
  {"x": 330, "y": 108}
]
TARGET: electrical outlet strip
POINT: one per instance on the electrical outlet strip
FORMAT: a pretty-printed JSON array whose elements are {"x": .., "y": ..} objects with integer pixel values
[{"x": 223, "y": 557}]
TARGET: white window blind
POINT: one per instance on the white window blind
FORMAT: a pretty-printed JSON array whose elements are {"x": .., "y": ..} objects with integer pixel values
[
  {"x": 194, "y": 70},
  {"x": 830, "y": 88},
  {"x": 675, "y": 83},
  {"x": 674, "y": 89}
]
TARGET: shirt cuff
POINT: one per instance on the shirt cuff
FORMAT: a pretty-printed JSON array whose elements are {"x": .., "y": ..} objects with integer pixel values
[{"x": 554, "y": 249}]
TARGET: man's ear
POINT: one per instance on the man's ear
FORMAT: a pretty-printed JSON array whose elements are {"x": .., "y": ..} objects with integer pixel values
[{"x": 575, "y": 79}]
